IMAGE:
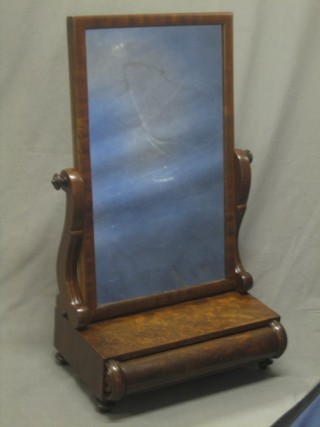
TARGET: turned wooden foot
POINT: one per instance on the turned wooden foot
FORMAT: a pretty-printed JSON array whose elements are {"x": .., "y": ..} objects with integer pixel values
[
  {"x": 60, "y": 359},
  {"x": 265, "y": 363},
  {"x": 105, "y": 405}
]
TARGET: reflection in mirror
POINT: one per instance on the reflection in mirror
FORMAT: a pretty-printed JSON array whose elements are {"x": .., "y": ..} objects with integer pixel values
[{"x": 156, "y": 145}]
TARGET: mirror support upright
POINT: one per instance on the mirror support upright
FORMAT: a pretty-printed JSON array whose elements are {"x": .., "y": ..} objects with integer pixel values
[
  {"x": 243, "y": 158},
  {"x": 70, "y": 301}
]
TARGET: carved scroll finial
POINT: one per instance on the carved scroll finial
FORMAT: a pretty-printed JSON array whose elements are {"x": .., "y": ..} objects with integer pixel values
[
  {"x": 59, "y": 181},
  {"x": 281, "y": 336},
  {"x": 115, "y": 385}
]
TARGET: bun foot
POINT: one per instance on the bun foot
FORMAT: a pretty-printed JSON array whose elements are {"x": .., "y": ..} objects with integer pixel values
[
  {"x": 60, "y": 359},
  {"x": 265, "y": 363},
  {"x": 105, "y": 406}
]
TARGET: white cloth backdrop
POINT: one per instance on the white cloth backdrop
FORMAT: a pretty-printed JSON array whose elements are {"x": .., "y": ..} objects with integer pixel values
[{"x": 277, "y": 106}]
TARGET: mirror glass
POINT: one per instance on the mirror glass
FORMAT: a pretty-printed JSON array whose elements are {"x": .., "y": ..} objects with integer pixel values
[{"x": 155, "y": 97}]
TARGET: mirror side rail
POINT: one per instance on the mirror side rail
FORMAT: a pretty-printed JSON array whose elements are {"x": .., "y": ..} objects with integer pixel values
[{"x": 243, "y": 159}]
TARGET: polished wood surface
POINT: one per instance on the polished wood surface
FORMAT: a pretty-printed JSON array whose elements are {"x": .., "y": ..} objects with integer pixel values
[
  {"x": 180, "y": 324},
  {"x": 243, "y": 158},
  {"x": 193, "y": 361},
  {"x": 70, "y": 300},
  {"x": 112, "y": 378}
]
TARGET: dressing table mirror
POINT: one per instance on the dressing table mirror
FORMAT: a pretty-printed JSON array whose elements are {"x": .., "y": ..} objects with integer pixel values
[{"x": 152, "y": 290}]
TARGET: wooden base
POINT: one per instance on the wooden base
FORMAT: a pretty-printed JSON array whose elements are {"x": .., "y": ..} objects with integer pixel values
[{"x": 169, "y": 345}]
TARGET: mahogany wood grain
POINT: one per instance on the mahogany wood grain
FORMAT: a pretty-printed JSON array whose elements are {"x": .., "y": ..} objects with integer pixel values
[
  {"x": 110, "y": 379},
  {"x": 243, "y": 181},
  {"x": 193, "y": 361},
  {"x": 180, "y": 324},
  {"x": 70, "y": 300}
]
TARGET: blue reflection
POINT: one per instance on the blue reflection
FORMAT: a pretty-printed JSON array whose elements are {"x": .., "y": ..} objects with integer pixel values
[{"x": 156, "y": 146}]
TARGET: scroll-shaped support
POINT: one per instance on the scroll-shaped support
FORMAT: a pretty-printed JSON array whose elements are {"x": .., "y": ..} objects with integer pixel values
[
  {"x": 243, "y": 158},
  {"x": 69, "y": 300}
]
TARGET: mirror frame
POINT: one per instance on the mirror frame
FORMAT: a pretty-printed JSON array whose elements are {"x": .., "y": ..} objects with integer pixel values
[{"x": 234, "y": 274}]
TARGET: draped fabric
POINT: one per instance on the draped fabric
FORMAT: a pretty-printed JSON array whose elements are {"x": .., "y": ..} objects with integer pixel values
[
  {"x": 277, "y": 106},
  {"x": 304, "y": 413}
]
